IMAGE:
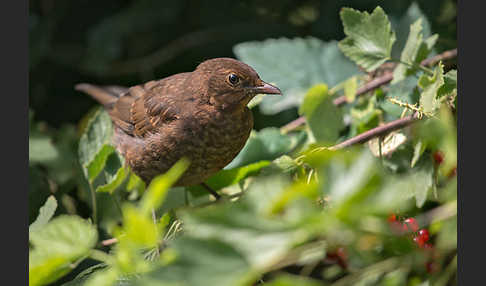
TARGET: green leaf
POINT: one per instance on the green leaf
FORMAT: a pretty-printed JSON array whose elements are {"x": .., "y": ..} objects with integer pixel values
[
  {"x": 404, "y": 91},
  {"x": 94, "y": 144},
  {"x": 417, "y": 152},
  {"x": 401, "y": 26},
  {"x": 41, "y": 149},
  {"x": 350, "y": 88},
  {"x": 292, "y": 280},
  {"x": 45, "y": 214},
  {"x": 431, "y": 85},
  {"x": 450, "y": 84},
  {"x": 409, "y": 53},
  {"x": 157, "y": 190},
  {"x": 307, "y": 62},
  {"x": 421, "y": 180},
  {"x": 138, "y": 227},
  {"x": 201, "y": 262},
  {"x": 230, "y": 177},
  {"x": 323, "y": 117},
  {"x": 266, "y": 144},
  {"x": 369, "y": 37},
  {"x": 414, "y": 52},
  {"x": 114, "y": 173},
  {"x": 56, "y": 246}
]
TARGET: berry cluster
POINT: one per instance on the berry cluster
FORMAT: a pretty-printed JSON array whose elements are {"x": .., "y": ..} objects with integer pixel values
[{"x": 420, "y": 236}]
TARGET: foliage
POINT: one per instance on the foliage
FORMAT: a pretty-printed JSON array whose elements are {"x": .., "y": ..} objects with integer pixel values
[{"x": 295, "y": 209}]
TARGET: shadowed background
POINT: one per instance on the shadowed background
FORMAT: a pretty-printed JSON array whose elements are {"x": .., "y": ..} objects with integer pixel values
[{"x": 129, "y": 42}]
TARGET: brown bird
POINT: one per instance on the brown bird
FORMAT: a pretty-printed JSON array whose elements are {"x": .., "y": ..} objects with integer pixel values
[{"x": 201, "y": 115}]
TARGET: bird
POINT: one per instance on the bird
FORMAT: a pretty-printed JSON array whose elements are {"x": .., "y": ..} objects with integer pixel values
[{"x": 200, "y": 115}]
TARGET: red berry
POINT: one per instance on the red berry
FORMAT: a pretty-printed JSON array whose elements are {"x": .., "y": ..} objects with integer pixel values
[
  {"x": 424, "y": 235},
  {"x": 438, "y": 157},
  {"x": 412, "y": 223},
  {"x": 418, "y": 241},
  {"x": 392, "y": 218}
]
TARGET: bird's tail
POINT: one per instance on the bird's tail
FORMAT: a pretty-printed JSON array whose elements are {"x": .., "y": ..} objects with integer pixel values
[{"x": 105, "y": 95}]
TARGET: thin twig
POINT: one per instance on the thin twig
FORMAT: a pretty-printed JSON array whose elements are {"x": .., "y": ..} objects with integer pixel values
[
  {"x": 377, "y": 131},
  {"x": 110, "y": 241},
  {"x": 372, "y": 85}
]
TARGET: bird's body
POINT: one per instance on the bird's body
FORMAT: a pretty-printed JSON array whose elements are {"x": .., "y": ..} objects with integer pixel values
[{"x": 201, "y": 115}]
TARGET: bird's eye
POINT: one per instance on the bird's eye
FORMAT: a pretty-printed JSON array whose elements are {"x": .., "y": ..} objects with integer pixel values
[{"x": 233, "y": 79}]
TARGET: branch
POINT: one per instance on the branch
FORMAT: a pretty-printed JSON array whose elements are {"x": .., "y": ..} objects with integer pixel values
[
  {"x": 377, "y": 131},
  {"x": 374, "y": 84}
]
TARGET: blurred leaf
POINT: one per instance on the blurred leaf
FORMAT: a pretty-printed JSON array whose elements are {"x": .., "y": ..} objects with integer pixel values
[
  {"x": 138, "y": 228},
  {"x": 41, "y": 149},
  {"x": 157, "y": 190},
  {"x": 94, "y": 144},
  {"x": 266, "y": 144},
  {"x": 350, "y": 88},
  {"x": 56, "y": 246},
  {"x": 323, "y": 117},
  {"x": 369, "y": 37},
  {"x": 45, "y": 214},
  {"x": 230, "y": 177},
  {"x": 417, "y": 152},
  {"x": 294, "y": 65},
  {"x": 430, "y": 85},
  {"x": 292, "y": 280},
  {"x": 201, "y": 262},
  {"x": 421, "y": 180}
]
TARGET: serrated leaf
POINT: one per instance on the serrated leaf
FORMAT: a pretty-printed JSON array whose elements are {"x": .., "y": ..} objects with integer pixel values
[
  {"x": 294, "y": 65},
  {"x": 409, "y": 53},
  {"x": 450, "y": 84},
  {"x": 401, "y": 27},
  {"x": 56, "y": 246},
  {"x": 430, "y": 85},
  {"x": 45, "y": 214},
  {"x": 414, "y": 52},
  {"x": 369, "y": 37},
  {"x": 324, "y": 118},
  {"x": 94, "y": 144}
]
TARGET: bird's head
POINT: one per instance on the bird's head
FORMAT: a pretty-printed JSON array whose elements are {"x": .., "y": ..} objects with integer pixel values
[{"x": 231, "y": 83}]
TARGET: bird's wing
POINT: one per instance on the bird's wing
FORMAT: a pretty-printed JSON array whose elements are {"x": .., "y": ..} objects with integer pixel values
[{"x": 144, "y": 109}]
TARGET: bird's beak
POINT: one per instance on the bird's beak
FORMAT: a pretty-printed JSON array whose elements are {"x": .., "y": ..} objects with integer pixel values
[{"x": 267, "y": 88}]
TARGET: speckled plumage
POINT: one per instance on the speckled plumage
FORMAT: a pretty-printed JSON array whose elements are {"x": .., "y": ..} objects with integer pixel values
[{"x": 200, "y": 115}]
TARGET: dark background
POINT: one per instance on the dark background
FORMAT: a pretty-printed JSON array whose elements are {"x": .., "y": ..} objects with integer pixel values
[{"x": 129, "y": 42}]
